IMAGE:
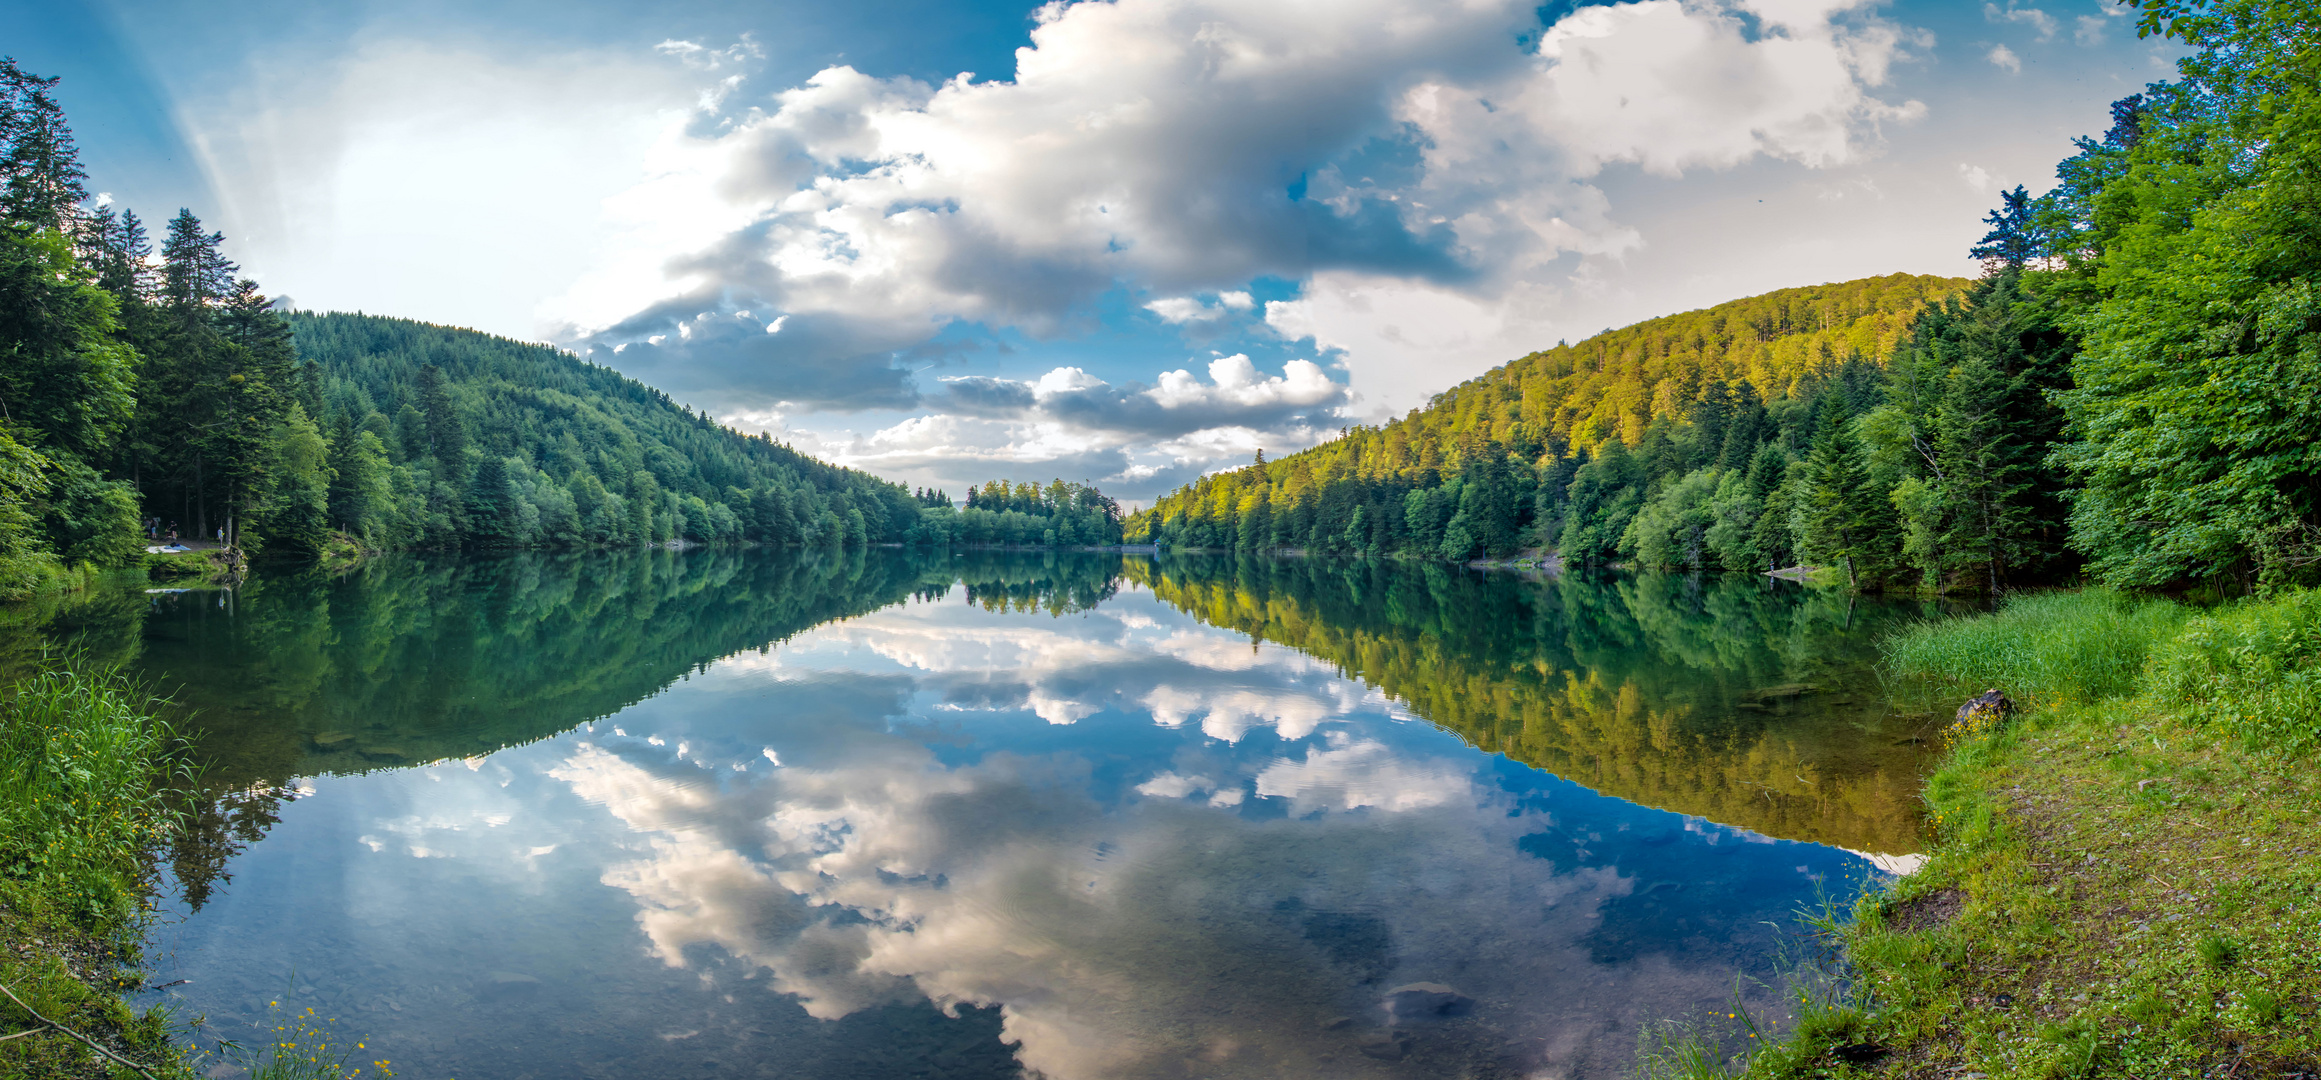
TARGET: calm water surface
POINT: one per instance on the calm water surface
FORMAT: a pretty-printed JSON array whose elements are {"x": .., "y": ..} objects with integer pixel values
[{"x": 886, "y": 815}]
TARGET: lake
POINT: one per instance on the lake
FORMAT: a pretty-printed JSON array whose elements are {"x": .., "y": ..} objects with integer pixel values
[{"x": 889, "y": 814}]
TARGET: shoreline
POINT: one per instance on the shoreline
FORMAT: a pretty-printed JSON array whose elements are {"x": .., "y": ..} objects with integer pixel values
[{"x": 2124, "y": 877}]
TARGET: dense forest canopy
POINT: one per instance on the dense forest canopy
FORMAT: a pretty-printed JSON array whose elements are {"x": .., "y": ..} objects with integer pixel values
[
  {"x": 1562, "y": 447},
  {"x": 2132, "y": 389},
  {"x": 440, "y": 437}
]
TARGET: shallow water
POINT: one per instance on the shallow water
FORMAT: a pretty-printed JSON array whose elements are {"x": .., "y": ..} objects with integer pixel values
[{"x": 712, "y": 814}]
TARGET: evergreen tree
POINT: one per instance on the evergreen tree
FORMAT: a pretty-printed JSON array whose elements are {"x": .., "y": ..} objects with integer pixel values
[
  {"x": 1842, "y": 517},
  {"x": 45, "y": 184},
  {"x": 2014, "y": 236},
  {"x": 294, "y": 518}
]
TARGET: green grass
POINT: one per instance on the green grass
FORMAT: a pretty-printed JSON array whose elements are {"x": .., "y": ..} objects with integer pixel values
[
  {"x": 2123, "y": 878},
  {"x": 83, "y": 763},
  {"x": 301, "y": 1045},
  {"x": 2042, "y": 648},
  {"x": 180, "y": 566},
  {"x": 2252, "y": 669},
  {"x": 86, "y": 767}
]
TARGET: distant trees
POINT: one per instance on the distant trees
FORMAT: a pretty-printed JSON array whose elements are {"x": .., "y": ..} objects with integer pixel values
[
  {"x": 1006, "y": 513},
  {"x": 1670, "y": 443},
  {"x": 450, "y": 438}
]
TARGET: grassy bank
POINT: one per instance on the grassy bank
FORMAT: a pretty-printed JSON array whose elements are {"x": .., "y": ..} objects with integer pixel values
[
  {"x": 85, "y": 773},
  {"x": 2126, "y": 873},
  {"x": 82, "y": 770}
]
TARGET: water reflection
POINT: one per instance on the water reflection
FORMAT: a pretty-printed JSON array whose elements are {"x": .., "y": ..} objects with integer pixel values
[
  {"x": 1743, "y": 700},
  {"x": 699, "y": 812}
]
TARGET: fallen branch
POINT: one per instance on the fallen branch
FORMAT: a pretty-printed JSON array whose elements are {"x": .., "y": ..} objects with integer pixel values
[
  {"x": 92, "y": 1043},
  {"x": 21, "y": 1034}
]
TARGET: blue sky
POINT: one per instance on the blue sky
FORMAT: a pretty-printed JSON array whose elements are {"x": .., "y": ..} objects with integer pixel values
[{"x": 1144, "y": 239}]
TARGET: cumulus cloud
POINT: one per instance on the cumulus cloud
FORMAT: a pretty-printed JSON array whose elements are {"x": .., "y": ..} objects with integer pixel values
[
  {"x": 2005, "y": 59},
  {"x": 1975, "y": 176},
  {"x": 1184, "y": 148},
  {"x": 1068, "y": 422}
]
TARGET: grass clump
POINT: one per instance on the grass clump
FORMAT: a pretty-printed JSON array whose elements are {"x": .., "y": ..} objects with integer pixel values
[
  {"x": 2252, "y": 670},
  {"x": 84, "y": 766},
  {"x": 2052, "y": 647},
  {"x": 83, "y": 763},
  {"x": 302, "y": 1046},
  {"x": 86, "y": 773}
]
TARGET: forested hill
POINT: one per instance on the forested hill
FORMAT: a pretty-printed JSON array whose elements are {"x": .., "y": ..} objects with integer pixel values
[
  {"x": 1488, "y": 466},
  {"x": 148, "y": 390},
  {"x": 2131, "y": 390},
  {"x": 441, "y": 436}
]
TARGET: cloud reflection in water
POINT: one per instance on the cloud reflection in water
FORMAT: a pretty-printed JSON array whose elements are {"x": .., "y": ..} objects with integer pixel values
[{"x": 1144, "y": 895}]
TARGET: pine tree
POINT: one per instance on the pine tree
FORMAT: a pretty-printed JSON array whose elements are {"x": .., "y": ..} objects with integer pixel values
[
  {"x": 1841, "y": 515},
  {"x": 45, "y": 184},
  {"x": 195, "y": 271},
  {"x": 2014, "y": 236},
  {"x": 490, "y": 504}
]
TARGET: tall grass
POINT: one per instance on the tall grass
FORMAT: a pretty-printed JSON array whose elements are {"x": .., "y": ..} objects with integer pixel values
[
  {"x": 2251, "y": 668},
  {"x": 2043, "y": 648},
  {"x": 82, "y": 762}
]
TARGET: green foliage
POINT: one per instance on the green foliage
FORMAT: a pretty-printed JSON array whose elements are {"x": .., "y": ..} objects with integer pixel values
[
  {"x": 82, "y": 761},
  {"x": 481, "y": 441},
  {"x": 2049, "y": 647},
  {"x": 1568, "y": 446},
  {"x": 1018, "y": 514},
  {"x": 2199, "y": 387},
  {"x": 2218, "y": 951},
  {"x": 64, "y": 379},
  {"x": 2253, "y": 668}
]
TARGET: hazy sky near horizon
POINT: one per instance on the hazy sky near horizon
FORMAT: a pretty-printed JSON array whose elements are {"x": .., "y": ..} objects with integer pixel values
[{"x": 1126, "y": 241}]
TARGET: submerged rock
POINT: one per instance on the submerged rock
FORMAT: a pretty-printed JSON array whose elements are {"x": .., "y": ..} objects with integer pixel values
[
  {"x": 1383, "y": 1045},
  {"x": 500, "y": 984},
  {"x": 1425, "y": 1001}
]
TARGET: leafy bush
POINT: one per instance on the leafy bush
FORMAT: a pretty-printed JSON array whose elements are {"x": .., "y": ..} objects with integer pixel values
[{"x": 2253, "y": 668}]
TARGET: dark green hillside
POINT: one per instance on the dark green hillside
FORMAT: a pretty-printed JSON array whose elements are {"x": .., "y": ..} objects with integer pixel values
[{"x": 444, "y": 437}]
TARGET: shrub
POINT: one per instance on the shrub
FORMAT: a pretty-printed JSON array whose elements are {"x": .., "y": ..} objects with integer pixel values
[{"x": 2253, "y": 668}]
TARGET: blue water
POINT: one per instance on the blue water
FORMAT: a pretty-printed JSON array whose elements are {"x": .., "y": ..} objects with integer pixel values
[{"x": 943, "y": 840}]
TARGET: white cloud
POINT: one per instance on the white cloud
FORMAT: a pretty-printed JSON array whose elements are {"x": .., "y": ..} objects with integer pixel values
[
  {"x": 1362, "y": 773},
  {"x": 1976, "y": 176},
  {"x": 1155, "y": 143},
  {"x": 2002, "y": 57},
  {"x": 2039, "y": 21}
]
